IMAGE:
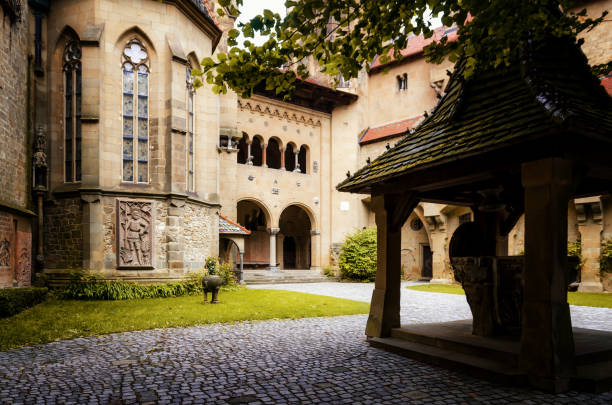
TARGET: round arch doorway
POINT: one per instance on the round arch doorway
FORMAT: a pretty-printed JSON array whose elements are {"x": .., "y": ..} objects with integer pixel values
[
  {"x": 255, "y": 217},
  {"x": 294, "y": 235}
]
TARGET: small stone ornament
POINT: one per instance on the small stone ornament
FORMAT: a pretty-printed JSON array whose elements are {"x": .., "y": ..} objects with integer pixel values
[{"x": 211, "y": 282}]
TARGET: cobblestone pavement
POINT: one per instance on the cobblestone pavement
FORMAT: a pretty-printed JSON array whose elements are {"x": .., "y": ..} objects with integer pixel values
[
  {"x": 424, "y": 307},
  {"x": 314, "y": 360}
]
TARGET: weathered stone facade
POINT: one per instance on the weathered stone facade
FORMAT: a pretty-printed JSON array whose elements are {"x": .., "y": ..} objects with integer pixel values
[
  {"x": 15, "y": 150},
  {"x": 64, "y": 234}
]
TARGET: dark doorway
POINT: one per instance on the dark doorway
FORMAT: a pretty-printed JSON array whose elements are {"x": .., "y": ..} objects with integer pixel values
[
  {"x": 427, "y": 268},
  {"x": 289, "y": 252}
]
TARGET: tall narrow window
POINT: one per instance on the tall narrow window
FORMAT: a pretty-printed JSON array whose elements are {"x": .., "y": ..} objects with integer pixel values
[
  {"x": 135, "y": 113},
  {"x": 72, "y": 112},
  {"x": 190, "y": 131}
]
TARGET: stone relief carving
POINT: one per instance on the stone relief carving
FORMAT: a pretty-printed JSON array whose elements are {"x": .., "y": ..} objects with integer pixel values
[
  {"x": 24, "y": 262},
  {"x": 5, "y": 253},
  {"x": 135, "y": 234}
]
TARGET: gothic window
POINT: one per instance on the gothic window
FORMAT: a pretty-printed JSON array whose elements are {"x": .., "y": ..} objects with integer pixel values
[
  {"x": 189, "y": 169},
  {"x": 72, "y": 111},
  {"x": 135, "y": 113}
]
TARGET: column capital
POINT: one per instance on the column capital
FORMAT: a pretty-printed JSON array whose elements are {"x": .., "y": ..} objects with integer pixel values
[
  {"x": 588, "y": 208},
  {"x": 273, "y": 231},
  {"x": 314, "y": 232}
]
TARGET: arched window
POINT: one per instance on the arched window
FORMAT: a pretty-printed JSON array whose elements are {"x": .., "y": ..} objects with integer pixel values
[
  {"x": 402, "y": 82},
  {"x": 189, "y": 169},
  {"x": 135, "y": 113},
  {"x": 273, "y": 154},
  {"x": 243, "y": 149},
  {"x": 256, "y": 151},
  {"x": 303, "y": 158},
  {"x": 290, "y": 157},
  {"x": 72, "y": 111}
]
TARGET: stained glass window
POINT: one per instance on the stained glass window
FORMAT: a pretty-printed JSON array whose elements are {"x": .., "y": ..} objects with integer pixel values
[
  {"x": 190, "y": 132},
  {"x": 135, "y": 113},
  {"x": 72, "y": 111}
]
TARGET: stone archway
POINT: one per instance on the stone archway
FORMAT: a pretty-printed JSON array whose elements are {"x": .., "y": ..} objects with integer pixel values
[
  {"x": 255, "y": 217},
  {"x": 295, "y": 238}
]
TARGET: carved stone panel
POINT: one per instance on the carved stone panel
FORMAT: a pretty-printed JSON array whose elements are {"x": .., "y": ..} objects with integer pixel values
[
  {"x": 134, "y": 234},
  {"x": 23, "y": 270},
  {"x": 6, "y": 250}
]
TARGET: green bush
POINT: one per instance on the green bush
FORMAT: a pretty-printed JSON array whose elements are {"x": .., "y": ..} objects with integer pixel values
[
  {"x": 15, "y": 300},
  {"x": 85, "y": 286},
  {"x": 329, "y": 271},
  {"x": 357, "y": 259},
  {"x": 605, "y": 257}
]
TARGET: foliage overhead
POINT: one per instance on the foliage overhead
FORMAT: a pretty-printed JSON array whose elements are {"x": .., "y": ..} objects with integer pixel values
[
  {"x": 344, "y": 36},
  {"x": 357, "y": 258}
]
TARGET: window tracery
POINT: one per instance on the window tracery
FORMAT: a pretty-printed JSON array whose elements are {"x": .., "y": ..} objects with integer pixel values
[
  {"x": 135, "y": 63},
  {"x": 72, "y": 111}
]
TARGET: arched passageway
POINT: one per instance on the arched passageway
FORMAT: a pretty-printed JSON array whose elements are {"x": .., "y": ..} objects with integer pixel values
[
  {"x": 257, "y": 151},
  {"x": 295, "y": 235},
  {"x": 254, "y": 217},
  {"x": 290, "y": 157},
  {"x": 243, "y": 149},
  {"x": 273, "y": 154}
]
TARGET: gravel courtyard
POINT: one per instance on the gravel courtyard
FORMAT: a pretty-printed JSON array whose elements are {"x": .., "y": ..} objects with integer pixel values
[{"x": 315, "y": 360}]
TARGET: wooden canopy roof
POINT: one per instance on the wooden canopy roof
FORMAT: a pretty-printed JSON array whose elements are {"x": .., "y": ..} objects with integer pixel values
[{"x": 549, "y": 104}]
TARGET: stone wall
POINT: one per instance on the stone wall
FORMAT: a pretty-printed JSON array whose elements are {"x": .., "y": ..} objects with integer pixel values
[
  {"x": 14, "y": 145},
  {"x": 63, "y": 229},
  {"x": 200, "y": 235}
]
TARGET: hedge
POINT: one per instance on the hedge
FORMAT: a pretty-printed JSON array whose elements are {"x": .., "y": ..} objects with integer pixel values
[{"x": 15, "y": 300}]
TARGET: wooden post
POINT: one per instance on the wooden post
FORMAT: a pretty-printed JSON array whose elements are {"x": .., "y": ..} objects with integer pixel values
[
  {"x": 391, "y": 212},
  {"x": 547, "y": 343}
]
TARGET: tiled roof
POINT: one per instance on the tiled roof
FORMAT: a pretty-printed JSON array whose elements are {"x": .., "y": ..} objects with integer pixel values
[
  {"x": 227, "y": 226},
  {"x": 390, "y": 130},
  {"x": 551, "y": 91},
  {"x": 415, "y": 46}
]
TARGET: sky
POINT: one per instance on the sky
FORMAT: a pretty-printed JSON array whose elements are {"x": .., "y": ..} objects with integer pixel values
[{"x": 251, "y": 8}]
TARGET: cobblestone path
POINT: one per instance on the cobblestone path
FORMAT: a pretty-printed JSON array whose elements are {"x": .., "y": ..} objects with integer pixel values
[
  {"x": 315, "y": 360},
  {"x": 424, "y": 307}
]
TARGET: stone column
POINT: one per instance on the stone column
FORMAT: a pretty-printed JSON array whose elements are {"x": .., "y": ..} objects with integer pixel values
[
  {"x": 547, "y": 343},
  {"x": 315, "y": 249},
  {"x": 93, "y": 232},
  {"x": 174, "y": 238},
  {"x": 439, "y": 239},
  {"x": 282, "y": 153},
  {"x": 273, "y": 263},
  {"x": 297, "y": 163},
  {"x": 241, "y": 267},
  {"x": 385, "y": 305},
  {"x": 263, "y": 155},
  {"x": 590, "y": 226},
  {"x": 249, "y": 157}
]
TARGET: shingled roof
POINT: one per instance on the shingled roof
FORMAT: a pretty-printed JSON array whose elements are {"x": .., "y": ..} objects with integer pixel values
[
  {"x": 551, "y": 91},
  {"x": 229, "y": 227}
]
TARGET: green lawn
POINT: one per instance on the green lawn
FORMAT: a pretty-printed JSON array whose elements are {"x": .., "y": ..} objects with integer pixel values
[
  {"x": 55, "y": 319},
  {"x": 603, "y": 300}
]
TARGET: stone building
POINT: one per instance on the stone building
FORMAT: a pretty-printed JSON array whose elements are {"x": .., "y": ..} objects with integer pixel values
[
  {"x": 136, "y": 175},
  {"x": 16, "y": 211}
]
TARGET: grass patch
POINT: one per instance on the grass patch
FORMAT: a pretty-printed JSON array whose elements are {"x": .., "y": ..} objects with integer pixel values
[
  {"x": 58, "y": 319},
  {"x": 602, "y": 300}
]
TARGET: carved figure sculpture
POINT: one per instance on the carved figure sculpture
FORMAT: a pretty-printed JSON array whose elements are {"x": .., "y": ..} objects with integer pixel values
[
  {"x": 135, "y": 239},
  {"x": 5, "y": 253}
]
